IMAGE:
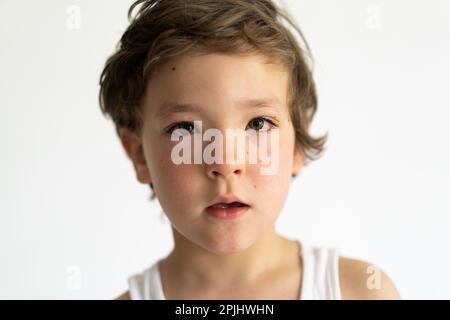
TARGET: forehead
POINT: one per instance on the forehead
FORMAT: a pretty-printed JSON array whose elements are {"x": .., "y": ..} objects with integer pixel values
[
  {"x": 215, "y": 69},
  {"x": 216, "y": 79}
]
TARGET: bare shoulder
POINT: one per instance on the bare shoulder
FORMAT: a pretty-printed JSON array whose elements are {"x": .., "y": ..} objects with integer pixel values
[
  {"x": 124, "y": 296},
  {"x": 361, "y": 280}
]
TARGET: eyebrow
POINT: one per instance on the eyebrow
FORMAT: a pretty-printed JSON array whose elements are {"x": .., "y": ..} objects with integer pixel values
[{"x": 168, "y": 108}]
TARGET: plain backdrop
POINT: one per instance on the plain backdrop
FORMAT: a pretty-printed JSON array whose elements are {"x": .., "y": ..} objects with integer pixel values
[{"x": 75, "y": 222}]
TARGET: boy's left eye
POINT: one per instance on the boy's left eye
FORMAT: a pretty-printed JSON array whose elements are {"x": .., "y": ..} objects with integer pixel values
[{"x": 258, "y": 123}]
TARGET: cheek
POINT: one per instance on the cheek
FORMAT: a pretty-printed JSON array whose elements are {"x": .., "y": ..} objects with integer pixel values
[
  {"x": 276, "y": 186},
  {"x": 170, "y": 177},
  {"x": 277, "y": 165}
]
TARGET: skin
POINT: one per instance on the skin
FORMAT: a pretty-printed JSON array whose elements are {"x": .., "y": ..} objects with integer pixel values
[{"x": 242, "y": 258}]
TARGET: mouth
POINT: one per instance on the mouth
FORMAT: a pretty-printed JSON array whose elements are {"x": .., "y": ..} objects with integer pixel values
[
  {"x": 227, "y": 211},
  {"x": 222, "y": 205},
  {"x": 229, "y": 200},
  {"x": 227, "y": 208}
]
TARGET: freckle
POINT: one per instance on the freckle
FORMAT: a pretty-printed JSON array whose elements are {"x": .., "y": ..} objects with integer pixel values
[{"x": 254, "y": 186}]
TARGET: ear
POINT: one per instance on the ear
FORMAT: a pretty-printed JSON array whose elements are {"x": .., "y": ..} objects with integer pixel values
[{"x": 132, "y": 144}]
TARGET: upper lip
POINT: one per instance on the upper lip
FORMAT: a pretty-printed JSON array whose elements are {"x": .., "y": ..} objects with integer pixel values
[{"x": 227, "y": 199}]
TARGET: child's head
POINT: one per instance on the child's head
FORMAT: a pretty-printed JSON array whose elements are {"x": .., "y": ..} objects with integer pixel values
[{"x": 215, "y": 55}]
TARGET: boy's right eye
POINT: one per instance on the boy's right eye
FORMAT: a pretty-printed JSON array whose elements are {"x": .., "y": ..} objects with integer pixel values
[{"x": 181, "y": 125}]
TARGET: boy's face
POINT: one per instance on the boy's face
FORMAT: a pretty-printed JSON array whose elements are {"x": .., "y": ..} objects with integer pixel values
[{"x": 217, "y": 84}]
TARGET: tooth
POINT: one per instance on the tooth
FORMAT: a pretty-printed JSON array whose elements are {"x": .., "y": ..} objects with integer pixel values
[
  {"x": 220, "y": 205},
  {"x": 229, "y": 205}
]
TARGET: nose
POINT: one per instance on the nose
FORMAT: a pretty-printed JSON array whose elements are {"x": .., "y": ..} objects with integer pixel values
[
  {"x": 230, "y": 165},
  {"x": 230, "y": 156},
  {"x": 225, "y": 170}
]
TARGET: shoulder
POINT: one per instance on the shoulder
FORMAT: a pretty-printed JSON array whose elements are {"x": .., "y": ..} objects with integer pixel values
[
  {"x": 124, "y": 296},
  {"x": 361, "y": 280}
]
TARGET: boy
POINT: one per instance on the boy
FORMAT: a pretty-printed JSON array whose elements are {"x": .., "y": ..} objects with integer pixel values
[{"x": 184, "y": 66}]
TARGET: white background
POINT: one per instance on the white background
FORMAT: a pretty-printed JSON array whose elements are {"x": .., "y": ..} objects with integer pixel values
[{"x": 75, "y": 223}]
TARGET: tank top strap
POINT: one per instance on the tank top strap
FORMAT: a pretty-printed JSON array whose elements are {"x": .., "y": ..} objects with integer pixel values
[
  {"x": 320, "y": 279},
  {"x": 146, "y": 285}
]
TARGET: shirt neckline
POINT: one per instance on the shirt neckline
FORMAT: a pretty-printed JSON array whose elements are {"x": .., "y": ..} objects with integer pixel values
[{"x": 304, "y": 270}]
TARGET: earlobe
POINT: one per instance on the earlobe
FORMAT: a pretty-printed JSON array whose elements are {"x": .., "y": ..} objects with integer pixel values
[
  {"x": 126, "y": 140},
  {"x": 134, "y": 149}
]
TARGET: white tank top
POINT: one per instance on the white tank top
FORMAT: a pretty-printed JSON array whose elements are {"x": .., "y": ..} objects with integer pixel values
[{"x": 320, "y": 277}]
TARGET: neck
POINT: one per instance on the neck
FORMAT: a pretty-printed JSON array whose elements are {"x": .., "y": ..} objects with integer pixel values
[{"x": 193, "y": 265}]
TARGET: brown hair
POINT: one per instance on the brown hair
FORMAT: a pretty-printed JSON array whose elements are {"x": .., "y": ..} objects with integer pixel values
[{"x": 164, "y": 29}]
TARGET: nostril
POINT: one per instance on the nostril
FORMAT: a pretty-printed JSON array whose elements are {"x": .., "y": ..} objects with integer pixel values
[
  {"x": 237, "y": 171},
  {"x": 217, "y": 173}
]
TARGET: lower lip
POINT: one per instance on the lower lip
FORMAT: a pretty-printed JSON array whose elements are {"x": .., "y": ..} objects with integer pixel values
[{"x": 227, "y": 213}]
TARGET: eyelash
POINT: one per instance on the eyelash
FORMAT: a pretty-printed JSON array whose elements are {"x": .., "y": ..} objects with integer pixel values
[{"x": 271, "y": 121}]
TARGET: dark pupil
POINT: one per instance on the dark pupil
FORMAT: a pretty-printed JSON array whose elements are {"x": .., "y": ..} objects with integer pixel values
[
  {"x": 255, "y": 122},
  {"x": 186, "y": 125}
]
